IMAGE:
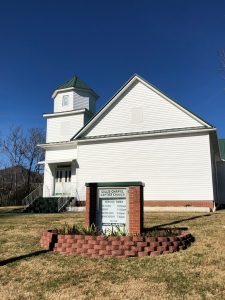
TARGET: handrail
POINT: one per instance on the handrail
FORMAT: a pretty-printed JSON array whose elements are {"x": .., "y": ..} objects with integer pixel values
[
  {"x": 29, "y": 199},
  {"x": 62, "y": 201}
]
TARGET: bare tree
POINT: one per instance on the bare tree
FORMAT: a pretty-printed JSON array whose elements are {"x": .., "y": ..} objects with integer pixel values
[
  {"x": 13, "y": 146},
  {"x": 22, "y": 156},
  {"x": 32, "y": 153}
]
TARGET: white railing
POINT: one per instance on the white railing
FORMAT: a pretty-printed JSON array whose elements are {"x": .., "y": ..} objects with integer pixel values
[
  {"x": 62, "y": 202},
  {"x": 29, "y": 199}
]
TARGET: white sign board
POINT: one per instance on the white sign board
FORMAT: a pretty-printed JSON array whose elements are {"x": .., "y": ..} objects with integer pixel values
[{"x": 113, "y": 208}]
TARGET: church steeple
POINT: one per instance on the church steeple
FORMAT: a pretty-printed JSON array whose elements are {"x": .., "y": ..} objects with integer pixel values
[{"x": 74, "y": 94}]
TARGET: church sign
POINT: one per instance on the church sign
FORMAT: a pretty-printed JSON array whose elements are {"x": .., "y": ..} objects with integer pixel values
[
  {"x": 115, "y": 206},
  {"x": 112, "y": 211}
]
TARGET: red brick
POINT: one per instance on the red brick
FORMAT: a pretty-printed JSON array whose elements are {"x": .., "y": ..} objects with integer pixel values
[
  {"x": 141, "y": 244},
  {"x": 104, "y": 252},
  {"x": 113, "y": 238},
  {"x": 129, "y": 243},
  {"x": 93, "y": 251},
  {"x": 162, "y": 248},
  {"x": 150, "y": 239},
  {"x": 117, "y": 252},
  {"x": 81, "y": 250},
  {"x": 162, "y": 239},
  {"x": 126, "y": 238},
  {"x": 154, "y": 244},
  {"x": 166, "y": 244},
  {"x": 93, "y": 242},
  {"x": 150, "y": 249},
  {"x": 142, "y": 254},
  {"x": 173, "y": 239},
  {"x": 136, "y": 248},
  {"x": 69, "y": 250},
  {"x": 138, "y": 238},
  {"x": 79, "y": 237},
  {"x": 97, "y": 247},
  {"x": 104, "y": 243},
  {"x": 101, "y": 238},
  {"x": 176, "y": 244},
  {"x": 89, "y": 237},
  {"x": 126, "y": 247},
  {"x": 172, "y": 249},
  {"x": 87, "y": 246},
  {"x": 130, "y": 253},
  {"x": 116, "y": 243}
]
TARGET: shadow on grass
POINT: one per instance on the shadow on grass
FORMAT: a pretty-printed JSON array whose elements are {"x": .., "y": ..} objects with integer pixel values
[
  {"x": 17, "y": 258},
  {"x": 11, "y": 210},
  {"x": 177, "y": 222}
]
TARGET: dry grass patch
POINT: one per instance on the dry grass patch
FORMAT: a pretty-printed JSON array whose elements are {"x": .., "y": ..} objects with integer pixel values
[{"x": 196, "y": 273}]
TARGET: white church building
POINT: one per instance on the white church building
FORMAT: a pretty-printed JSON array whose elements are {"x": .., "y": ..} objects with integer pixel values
[{"x": 139, "y": 135}]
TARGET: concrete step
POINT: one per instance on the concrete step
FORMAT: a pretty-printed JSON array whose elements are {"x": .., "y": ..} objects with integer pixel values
[{"x": 75, "y": 209}]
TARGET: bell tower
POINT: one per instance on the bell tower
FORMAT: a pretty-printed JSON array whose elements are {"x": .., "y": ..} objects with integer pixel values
[
  {"x": 74, "y": 106},
  {"x": 74, "y": 94}
]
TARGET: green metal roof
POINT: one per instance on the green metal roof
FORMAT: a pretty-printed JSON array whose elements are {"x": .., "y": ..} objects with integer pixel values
[
  {"x": 75, "y": 82},
  {"x": 222, "y": 148}
]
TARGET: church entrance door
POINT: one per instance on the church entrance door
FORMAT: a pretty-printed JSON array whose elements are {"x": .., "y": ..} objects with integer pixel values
[{"x": 63, "y": 181}]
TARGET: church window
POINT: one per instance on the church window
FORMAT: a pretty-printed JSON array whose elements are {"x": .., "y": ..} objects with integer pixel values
[{"x": 65, "y": 100}]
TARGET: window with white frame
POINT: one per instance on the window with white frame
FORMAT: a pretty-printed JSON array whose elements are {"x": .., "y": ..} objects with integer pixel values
[{"x": 65, "y": 100}]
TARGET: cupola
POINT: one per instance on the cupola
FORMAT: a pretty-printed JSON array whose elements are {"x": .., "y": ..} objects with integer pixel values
[{"x": 74, "y": 94}]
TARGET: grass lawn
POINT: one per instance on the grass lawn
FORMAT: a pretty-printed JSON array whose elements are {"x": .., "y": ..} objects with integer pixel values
[{"x": 196, "y": 273}]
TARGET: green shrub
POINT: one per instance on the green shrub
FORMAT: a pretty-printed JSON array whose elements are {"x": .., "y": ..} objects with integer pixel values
[
  {"x": 79, "y": 229},
  {"x": 116, "y": 231}
]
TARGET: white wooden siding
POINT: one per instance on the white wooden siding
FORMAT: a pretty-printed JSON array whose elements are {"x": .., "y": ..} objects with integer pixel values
[
  {"x": 48, "y": 187},
  {"x": 82, "y": 99},
  {"x": 63, "y": 128},
  {"x": 77, "y": 100},
  {"x": 61, "y": 154},
  {"x": 58, "y": 102},
  {"x": 141, "y": 109},
  {"x": 172, "y": 168}
]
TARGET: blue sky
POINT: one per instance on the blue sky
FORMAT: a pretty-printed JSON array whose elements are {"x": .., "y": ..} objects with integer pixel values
[{"x": 173, "y": 44}]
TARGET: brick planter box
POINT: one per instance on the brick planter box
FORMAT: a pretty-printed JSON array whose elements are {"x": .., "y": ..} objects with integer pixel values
[
  {"x": 49, "y": 239},
  {"x": 112, "y": 246}
]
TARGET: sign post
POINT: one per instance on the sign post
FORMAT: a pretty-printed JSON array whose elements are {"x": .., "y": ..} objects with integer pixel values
[{"x": 115, "y": 206}]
